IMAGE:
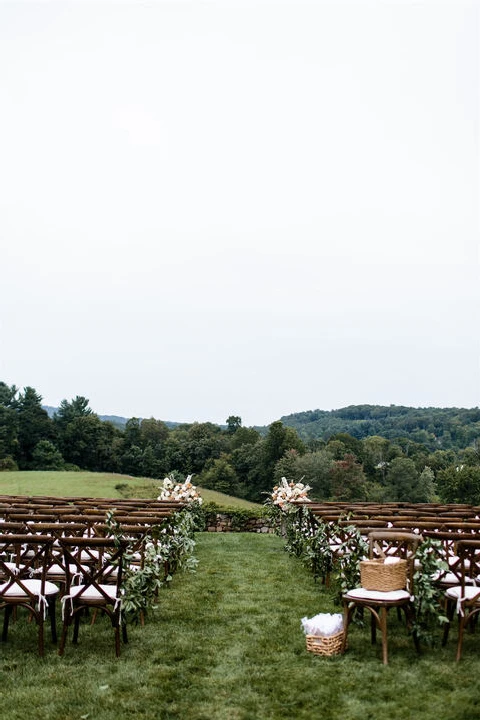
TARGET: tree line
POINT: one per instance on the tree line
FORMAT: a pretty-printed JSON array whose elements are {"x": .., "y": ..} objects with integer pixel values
[
  {"x": 233, "y": 459},
  {"x": 436, "y": 428}
]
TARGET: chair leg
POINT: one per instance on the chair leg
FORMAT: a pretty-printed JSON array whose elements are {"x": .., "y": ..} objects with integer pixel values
[
  {"x": 416, "y": 639},
  {"x": 124, "y": 633},
  {"x": 383, "y": 628},
  {"x": 446, "y": 629},
  {"x": 117, "y": 640},
  {"x": 346, "y": 622},
  {"x": 409, "y": 611},
  {"x": 41, "y": 642},
  {"x": 76, "y": 626},
  {"x": 472, "y": 622},
  {"x": 67, "y": 619},
  {"x": 6, "y": 620},
  {"x": 461, "y": 626},
  {"x": 53, "y": 622},
  {"x": 373, "y": 628}
]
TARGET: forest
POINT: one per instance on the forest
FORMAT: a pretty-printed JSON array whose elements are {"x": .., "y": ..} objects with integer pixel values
[
  {"x": 445, "y": 428},
  {"x": 362, "y": 452}
]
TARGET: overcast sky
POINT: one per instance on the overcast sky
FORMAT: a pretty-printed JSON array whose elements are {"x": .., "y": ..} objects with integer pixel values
[{"x": 248, "y": 208}]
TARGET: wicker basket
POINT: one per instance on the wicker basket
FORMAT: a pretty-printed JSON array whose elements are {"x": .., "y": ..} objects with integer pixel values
[
  {"x": 321, "y": 645},
  {"x": 381, "y": 576}
]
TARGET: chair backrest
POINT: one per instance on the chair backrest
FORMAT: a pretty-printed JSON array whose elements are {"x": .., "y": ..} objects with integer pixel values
[
  {"x": 468, "y": 552},
  {"x": 57, "y": 529},
  {"x": 24, "y": 557},
  {"x": 99, "y": 562},
  {"x": 447, "y": 550},
  {"x": 389, "y": 543}
]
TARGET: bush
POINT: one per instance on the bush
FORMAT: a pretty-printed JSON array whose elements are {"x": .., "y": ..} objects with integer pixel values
[
  {"x": 46, "y": 456},
  {"x": 8, "y": 463},
  {"x": 206, "y": 515}
]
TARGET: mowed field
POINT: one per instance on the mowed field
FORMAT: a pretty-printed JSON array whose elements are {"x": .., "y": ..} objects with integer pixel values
[{"x": 89, "y": 484}]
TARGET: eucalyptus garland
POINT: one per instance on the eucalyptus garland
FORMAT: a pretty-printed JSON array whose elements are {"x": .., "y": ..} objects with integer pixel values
[
  {"x": 428, "y": 595},
  {"x": 167, "y": 547}
]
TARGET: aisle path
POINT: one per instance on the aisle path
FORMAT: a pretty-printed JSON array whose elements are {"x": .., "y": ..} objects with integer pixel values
[{"x": 236, "y": 627}]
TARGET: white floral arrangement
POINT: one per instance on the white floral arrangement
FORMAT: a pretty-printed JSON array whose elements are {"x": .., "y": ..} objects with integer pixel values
[
  {"x": 186, "y": 492},
  {"x": 289, "y": 492}
]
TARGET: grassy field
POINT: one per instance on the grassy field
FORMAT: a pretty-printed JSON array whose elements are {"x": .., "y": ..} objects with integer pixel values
[
  {"x": 226, "y": 644},
  {"x": 111, "y": 485}
]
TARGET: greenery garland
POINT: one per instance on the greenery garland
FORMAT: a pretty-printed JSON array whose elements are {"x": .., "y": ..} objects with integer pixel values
[
  {"x": 167, "y": 547},
  {"x": 428, "y": 595}
]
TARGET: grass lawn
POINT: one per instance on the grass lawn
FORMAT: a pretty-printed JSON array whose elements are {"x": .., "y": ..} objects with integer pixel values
[
  {"x": 225, "y": 643},
  {"x": 111, "y": 485}
]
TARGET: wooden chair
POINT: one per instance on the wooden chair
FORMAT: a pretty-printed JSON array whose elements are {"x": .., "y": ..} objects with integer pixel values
[
  {"x": 96, "y": 591},
  {"x": 56, "y": 571},
  {"x": 25, "y": 582},
  {"x": 384, "y": 544},
  {"x": 464, "y": 598}
]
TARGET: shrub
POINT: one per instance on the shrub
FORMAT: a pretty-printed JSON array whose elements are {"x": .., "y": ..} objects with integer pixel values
[
  {"x": 239, "y": 517},
  {"x": 8, "y": 463}
]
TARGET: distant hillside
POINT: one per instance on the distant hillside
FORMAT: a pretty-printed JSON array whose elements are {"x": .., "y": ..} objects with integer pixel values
[
  {"x": 437, "y": 428},
  {"x": 116, "y": 420}
]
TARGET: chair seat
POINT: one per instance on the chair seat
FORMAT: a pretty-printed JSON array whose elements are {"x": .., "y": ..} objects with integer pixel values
[
  {"x": 58, "y": 570},
  {"x": 34, "y": 586},
  {"x": 377, "y": 595},
  {"x": 14, "y": 567},
  {"x": 448, "y": 578},
  {"x": 470, "y": 593},
  {"x": 89, "y": 555},
  {"x": 91, "y": 594},
  {"x": 334, "y": 547},
  {"x": 454, "y": 559}
]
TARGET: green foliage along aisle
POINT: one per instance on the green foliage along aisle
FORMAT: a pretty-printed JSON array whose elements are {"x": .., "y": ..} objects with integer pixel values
[{"x": 166, "y": 549}]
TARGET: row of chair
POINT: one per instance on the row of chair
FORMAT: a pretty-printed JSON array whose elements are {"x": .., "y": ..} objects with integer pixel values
[
  {"x": 459, "y": 582},
  {"x": 87, "y": 574},
  {"x": 77, "y": 557},
  {"x": 398, "y": 529},
  {"x": 373, "y": 509},
  {"x": 40, "y": 507}
]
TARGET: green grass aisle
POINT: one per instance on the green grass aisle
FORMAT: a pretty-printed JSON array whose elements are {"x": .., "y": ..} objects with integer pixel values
[
  {"x": 226, "y": 643},
  {"x": 244, "y": 655}
]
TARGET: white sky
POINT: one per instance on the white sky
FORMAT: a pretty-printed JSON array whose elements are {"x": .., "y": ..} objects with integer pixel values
[{"x": 248, "y": 208}]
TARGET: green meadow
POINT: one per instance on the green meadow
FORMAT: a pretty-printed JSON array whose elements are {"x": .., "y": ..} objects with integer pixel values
[{"x": 90, "y": 484}]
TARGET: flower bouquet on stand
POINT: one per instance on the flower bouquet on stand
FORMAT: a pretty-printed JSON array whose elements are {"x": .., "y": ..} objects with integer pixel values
[
  {"x": 286, "y": 506},
  {"x": 288, "y": 492},
  {"x": 183, "y": 491},
  {"x": 172, "y": 489}
]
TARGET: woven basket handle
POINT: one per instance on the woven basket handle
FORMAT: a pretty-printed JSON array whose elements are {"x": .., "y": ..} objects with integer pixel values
[{"x": 377, "y": 550}]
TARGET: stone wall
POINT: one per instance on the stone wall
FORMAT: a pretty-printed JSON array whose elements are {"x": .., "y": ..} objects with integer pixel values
[{"x": 223, "y": 522}]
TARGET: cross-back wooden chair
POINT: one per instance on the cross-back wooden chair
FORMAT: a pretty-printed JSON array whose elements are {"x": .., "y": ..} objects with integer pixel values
[
  {"x": 24, "y": 562},
  {"x": 56, "y": 571},
  {"x": 464, "y": 598},
  {"x": 384, "y": 544},
  {"x": 450, "y": 575},
  {"x": 100, "y": 587}
]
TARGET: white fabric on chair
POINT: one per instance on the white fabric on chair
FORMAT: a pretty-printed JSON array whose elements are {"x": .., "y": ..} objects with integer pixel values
[
  {"x": 34, "y": 586},
  {"x": 363, "y": 594}
]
